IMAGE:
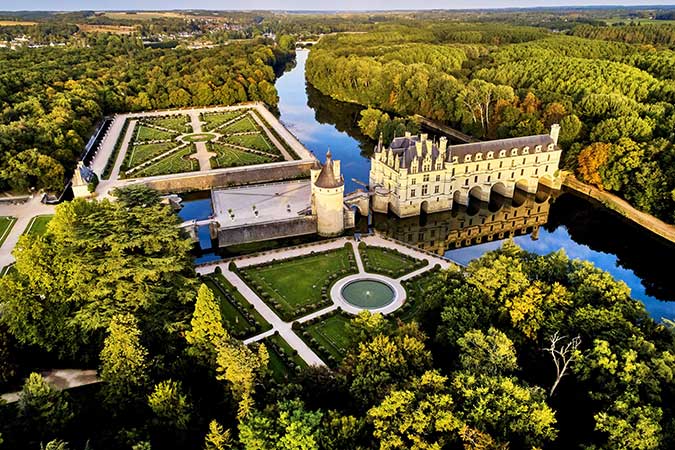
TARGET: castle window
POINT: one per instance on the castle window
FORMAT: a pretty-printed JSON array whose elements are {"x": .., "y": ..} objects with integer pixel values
[
  {"x": 536, "y": 171},
  {"x": 453, "y": 172},
  {"x": 477, "y": 167},
  {"x": 524, "y": 159},
  {"x": 475, "y": 179},
  {"x": 522, "y": 172},
  {"x": 437, "y": 189},
  {"x": 412, "y": 193},
  {"x": 466, "y": 182},
  {"x": 538, "y": 147},
  {"x": 513, "y": 175},
  {"x": 502, "y": 153},
  {"x": 413, "y": 181},
  {"x": 548, "y": 157},
  {"x": 466, "y": 169},
  {"x": 467, "y": 158},
  {"x": 514, "y": 152},
  {"x": 488, "y": 178},
  {"x": 499, "y": 175},
  {"x": 490, "y": 155},
  {"x": 550, "y": 147},
  {"x": 426, "y": 168},
  {"x": 526, "y": 150},
  {"x": 455, "y": 159},
  {"x": 479, "y": 156},
  {"x": 488, "y": 168},
  {"x": 425, "y": 189},
  {"x": 425, "y": 178},
  {"x": 546, "y": 169},
  {"x": 438, "y": 177},
  {"x": 501, "y": 163},
  {"x": 536, "y": 159}
]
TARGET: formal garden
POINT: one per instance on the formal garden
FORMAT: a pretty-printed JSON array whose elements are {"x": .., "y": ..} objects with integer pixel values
[
  {"x": 38, "y": 224},
  {"x": 298, "y": 286},
  {"x": 388, "y": 261},
  {"x": 328, "y": 336},
  {"x": 240, "y": 318},
  {"x": 284, "y": 360}
]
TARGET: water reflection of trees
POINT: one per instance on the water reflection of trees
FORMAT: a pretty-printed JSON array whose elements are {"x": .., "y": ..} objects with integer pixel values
[
  {"x": 343, "y": 116},
  {"x": 648, "y": 256}
]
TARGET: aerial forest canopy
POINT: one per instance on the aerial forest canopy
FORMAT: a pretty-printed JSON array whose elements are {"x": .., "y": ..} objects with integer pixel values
[
  {"x": 498, "y": 81},
  {"x": 51, "y": 98}
]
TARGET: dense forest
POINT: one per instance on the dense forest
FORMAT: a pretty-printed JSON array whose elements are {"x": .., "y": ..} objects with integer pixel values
[
  {"x": 51, "y": 98},
  {"x": 614, "y": 100},
  {"x": 517, "y": 351}
]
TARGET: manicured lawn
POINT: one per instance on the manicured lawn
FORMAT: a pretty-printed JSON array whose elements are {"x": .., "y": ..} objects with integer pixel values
[
  {"x": 214, "y": 120},
  {"x": 295, "y": 287},
  {"x": 239, "y": 318},
  {"x": 241, "y": 126},
  {"x": 283, "y": 361},
  {"x": 387, "y": 261},
  {"x": 232, "y": 157},
  {"x": 143, "y": 133},
  {"x": 198, "y": 137},
  {"x": 178, "y": 123},
  {"x": 174, "y": 163},
  {"x": 38, "y": 225},
  {"x": 254, "y": 141},
  {"x": 329, "y": 338},
  {"x": 145, "y": 152},
  {"x": 6, "y": 224}
]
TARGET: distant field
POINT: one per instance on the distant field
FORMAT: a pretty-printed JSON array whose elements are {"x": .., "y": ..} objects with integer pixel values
[
  {"x": 614, "y": 20},
  {"x": 149, "y": 15},
  {"x": 11, "y": 23},
  {"x": 113, "y": 29}
]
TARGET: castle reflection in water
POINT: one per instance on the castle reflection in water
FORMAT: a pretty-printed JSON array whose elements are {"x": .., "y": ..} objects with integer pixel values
[{"x": 480, "y": 222}]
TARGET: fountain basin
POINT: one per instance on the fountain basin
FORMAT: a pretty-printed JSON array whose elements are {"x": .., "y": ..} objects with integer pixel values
[{"x": 368, "y": 294}]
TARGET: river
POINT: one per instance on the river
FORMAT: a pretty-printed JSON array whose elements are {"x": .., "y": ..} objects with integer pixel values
[{"x": 583, "y": 230}]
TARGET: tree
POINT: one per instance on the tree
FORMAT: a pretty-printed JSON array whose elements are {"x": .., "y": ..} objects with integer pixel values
[
  {"x": 32, "y": 169},
  {"x": 170, "y": 405},
  {"x": 491, "y": 354},
  {"x": 366, "y": 326},
  {"x": 43, "y": 410},
  {"x": 562, "y": 356},
  {"x": 217, "y": 438},
  {"x": 207, "y": 332},
  {"x": 123, "y": 361},
  {"x": 591, "y": 160},
  {"x": 284, "y": 426},
  {"x": 240, "y": 366},
  {"x": 418, "y": 418}
]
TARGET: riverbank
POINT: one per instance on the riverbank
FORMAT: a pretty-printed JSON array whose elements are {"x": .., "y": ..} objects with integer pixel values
[{"x": 621, "y": 206}]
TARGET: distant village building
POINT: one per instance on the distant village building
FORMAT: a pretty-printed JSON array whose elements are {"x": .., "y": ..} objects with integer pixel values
[{"x": 416, "y": 174}]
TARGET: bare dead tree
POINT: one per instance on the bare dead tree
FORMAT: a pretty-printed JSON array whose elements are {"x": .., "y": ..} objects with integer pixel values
[{"x": 562, "y": 354}]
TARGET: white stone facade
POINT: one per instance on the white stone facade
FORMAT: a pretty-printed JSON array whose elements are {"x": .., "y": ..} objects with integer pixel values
[
  {"x": 328, "y": 188},
  {"x": 416, "y": 174}
]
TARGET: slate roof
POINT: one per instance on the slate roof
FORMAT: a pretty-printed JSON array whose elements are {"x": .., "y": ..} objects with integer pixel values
[{"x": 326, "y": 178}]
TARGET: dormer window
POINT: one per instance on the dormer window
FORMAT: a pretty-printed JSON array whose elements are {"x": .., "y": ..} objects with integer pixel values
[
  {"x": 479, "y": 156},
  {"x": 526, "y": 150},
  {"x": 537, "y": 149},
  {"x": 455, "y": 159},
  {"x": 490, "y": 155},
  {"x": 514, "y": 152},
  {"x": 502, "y": 153},
  {"x": 467, "y": 158},
  {"x": 551, "y": 147}
]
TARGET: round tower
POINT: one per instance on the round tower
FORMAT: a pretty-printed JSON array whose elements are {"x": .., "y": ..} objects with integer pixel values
[{"x": 328, "y": 199}]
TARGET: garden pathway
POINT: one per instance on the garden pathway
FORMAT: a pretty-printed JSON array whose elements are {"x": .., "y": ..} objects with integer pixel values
[
  {"x": 272, "y": 138},
  {"x": 24, "y": 213},
  {"x": 61, "y": 379},
  {"x": 203, "y": 154}
]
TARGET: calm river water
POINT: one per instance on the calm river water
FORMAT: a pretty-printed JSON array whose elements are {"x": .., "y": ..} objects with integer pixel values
[{"x": 583, "y": 230}]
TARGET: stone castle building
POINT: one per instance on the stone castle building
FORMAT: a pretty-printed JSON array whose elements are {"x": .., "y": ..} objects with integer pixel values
[
  {"x": 416, "y": 174},
  {"x": 328, "y": 188}
]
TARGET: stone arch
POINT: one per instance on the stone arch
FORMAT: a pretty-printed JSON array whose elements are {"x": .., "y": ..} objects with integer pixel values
[
  {"x": 479, "y": 193},
  {"x": 499, "y": 188},
  {"x": 498, "y": 196},
  {"x": 528, "y": 185},
  {"x": 460, "y": 198}
]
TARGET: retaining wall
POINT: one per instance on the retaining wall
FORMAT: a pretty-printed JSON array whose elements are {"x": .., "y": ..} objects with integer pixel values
[{"x": 266, "y": 231}]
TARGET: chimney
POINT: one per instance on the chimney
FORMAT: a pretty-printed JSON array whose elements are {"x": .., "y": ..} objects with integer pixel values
[
  {"x": 423, "y": 136},
  {"x": 555, "y": 131},
  {"x": 443, "y": 144},
  {"x": 418, "y": 148}
]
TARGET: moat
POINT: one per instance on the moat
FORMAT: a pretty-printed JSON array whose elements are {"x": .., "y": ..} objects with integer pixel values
[{"x": 543, "y": 225}]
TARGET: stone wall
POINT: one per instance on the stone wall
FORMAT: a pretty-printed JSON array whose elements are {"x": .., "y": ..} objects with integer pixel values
[
  {"x": 266, "y": 231},
  {"x": 235, "y": 176}
]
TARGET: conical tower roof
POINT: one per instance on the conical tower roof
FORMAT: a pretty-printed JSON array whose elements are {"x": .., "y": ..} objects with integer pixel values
[{"x": 326, "y": 178}]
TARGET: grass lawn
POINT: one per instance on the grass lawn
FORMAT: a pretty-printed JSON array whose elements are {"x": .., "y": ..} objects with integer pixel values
[
  {"x": 174, "y": 163},
  {"x": 283, "y": 361},
  {"x": 331, "y": 338},
  {"x": 6, "y": 224},
  {"x": 241, "y": 126},
  {"x": 199, "y": 137},
  {"x": 388, "y": 261},
  {"x": 297, "y": 286},
  {"x": 231, "y": 157},
  {"x": 179, "y": 123},
  {"x": 38, "y": 225},
  {"x": 254, "y": 141},
  {"x": 214, "y": 120},
  {"x": 145, "y": 152},
  {"x": 143, "y": 133},
  {"x": 239, "y": 318},
  {"x": 5, "y": 270}
]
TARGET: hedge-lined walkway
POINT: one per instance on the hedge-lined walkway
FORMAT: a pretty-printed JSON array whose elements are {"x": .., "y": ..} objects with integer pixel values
[{"x": 284, "y": 328}]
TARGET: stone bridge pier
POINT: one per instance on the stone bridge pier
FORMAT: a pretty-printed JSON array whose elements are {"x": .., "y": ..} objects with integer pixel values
[{"x": 360, "y": 199}]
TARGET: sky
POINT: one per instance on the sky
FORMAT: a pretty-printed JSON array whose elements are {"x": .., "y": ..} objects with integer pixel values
[{"x": 70, "y": 5}]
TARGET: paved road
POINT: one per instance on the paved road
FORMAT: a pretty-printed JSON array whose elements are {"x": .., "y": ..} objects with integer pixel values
[{"x": 61, "y": 379}]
